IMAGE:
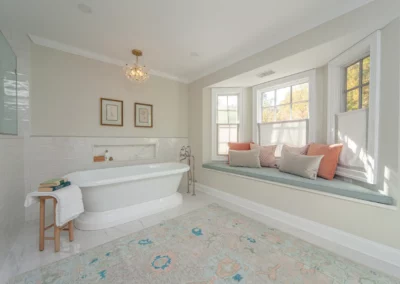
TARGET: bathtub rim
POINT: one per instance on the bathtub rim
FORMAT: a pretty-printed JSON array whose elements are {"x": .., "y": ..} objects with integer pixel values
[{"x": 185, "y": 168}]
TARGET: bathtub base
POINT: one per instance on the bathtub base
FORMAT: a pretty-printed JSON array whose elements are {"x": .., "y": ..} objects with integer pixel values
[{"x": 89, "y": 221}]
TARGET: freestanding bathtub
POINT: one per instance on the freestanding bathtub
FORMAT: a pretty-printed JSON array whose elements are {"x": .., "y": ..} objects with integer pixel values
[{"x": 115, "y": 196}]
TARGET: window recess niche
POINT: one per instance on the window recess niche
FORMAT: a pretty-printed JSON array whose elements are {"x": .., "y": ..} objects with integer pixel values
[{"x": 357, "y": 130}]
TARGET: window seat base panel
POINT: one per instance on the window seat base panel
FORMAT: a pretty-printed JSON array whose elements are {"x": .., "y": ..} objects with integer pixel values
[{"x": 334, "y": 186}]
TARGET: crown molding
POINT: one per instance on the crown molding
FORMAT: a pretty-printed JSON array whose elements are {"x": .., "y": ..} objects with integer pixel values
[{"x": 95, "y": 56}]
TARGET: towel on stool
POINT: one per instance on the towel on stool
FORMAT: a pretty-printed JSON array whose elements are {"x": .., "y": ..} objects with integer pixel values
[{"x": 69, "y": 202}]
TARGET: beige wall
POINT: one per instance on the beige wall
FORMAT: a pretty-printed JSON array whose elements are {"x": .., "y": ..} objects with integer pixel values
[
  {"x": 73, "y": 86},
  {"x": 371, "y": 222},
  {"x": 205, "y": 118},
  {"x": 389, "y": 115}
]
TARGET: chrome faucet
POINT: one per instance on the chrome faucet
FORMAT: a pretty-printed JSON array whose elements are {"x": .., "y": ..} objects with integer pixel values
[{"x": 186, "y": 153}]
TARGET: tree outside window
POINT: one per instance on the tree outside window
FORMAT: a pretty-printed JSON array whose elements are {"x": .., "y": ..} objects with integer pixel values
[
  {"x": 357, "y": 85},
  {"x": 290, "y": 103}
]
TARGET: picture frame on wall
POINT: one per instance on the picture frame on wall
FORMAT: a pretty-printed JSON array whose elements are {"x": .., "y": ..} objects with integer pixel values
[
  {"x": 111, "y": 112},
  {"x": 143, "y": 115}
]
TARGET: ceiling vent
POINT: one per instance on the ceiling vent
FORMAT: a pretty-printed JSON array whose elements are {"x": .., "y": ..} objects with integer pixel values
[{"x": 265, "y": 74}]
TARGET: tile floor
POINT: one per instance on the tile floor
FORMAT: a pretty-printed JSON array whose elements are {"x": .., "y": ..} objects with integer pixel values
[{"x": 25, "y": 255}]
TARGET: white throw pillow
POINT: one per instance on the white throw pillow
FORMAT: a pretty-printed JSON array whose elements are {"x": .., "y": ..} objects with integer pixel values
[
  {"x": 300, "y": 165},
  {"x": 296, "y": 150},
  {"x": 250, "y": 158}
]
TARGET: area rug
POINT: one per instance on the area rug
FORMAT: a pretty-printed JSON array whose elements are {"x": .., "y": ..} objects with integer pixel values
[{"x": 209, "y": 245}]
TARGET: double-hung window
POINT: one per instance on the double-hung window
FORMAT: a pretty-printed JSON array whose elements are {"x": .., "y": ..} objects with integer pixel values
[
  {"x": 226, "y": 116},
  {"x": 282, "y": 111},
  {"x": 357, "y": 84},
  {"x": 353, "y": 108}
]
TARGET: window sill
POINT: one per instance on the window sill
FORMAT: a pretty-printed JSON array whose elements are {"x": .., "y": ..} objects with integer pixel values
[{"x": 335, "y": 188}]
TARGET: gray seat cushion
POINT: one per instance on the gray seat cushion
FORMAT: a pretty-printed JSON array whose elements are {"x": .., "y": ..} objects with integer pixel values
[{"x": 334, "y": 186}]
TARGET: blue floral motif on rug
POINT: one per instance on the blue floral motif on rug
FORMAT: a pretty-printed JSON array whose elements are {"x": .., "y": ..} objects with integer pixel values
[{"x": 209, "y": 245}]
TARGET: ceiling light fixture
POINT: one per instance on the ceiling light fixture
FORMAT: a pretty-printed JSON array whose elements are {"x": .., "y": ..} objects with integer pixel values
[{"x": 136, "y": 72}]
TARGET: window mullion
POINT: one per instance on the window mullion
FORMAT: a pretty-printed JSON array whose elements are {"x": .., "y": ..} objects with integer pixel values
[
  {"x": 229, "y": 133},
  {"x": 291, "y": 102},
  {"x": 352, "y": 89},
  {"x": 217, "y": 139},
  {"x": 360, "y": 85},
  {"x": 275, "y": 105},
  {"x": 345, "y": 88}
]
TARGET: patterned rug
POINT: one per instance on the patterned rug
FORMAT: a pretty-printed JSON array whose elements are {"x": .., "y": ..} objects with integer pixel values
[{"x": 209, "y": 245}]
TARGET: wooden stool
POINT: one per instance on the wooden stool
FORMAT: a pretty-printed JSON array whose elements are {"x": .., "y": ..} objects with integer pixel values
[{"x": 57, "y": 230}]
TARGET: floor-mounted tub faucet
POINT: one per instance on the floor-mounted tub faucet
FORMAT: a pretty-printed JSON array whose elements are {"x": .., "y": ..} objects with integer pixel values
[{"x": 186, "y": 153}]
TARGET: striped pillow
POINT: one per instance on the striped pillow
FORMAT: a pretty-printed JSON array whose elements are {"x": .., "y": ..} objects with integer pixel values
[{"x": 267, "y": 155}]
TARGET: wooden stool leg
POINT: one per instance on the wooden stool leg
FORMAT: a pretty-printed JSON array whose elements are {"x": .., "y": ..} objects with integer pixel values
[
  {"x": 42, "y": 223},
  {"x": 71, "y": 230},
  {"x": 56, "y": 230}
]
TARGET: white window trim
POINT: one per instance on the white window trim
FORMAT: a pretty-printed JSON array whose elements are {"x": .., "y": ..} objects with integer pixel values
[
  {"x": 336, "y": 104},
  {"x": 214, "y": 94},
  {"x": 300, "y": 78}
]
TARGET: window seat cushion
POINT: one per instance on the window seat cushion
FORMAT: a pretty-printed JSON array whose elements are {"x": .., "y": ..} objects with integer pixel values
[{"x": 334, "y": 186}]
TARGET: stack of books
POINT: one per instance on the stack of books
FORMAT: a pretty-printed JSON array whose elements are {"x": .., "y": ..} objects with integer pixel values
[{"x": 53, "y": 184}]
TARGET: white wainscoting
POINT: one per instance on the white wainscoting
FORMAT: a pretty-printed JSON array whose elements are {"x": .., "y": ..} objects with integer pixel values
[
  {"x": 57, "y": 156},
  {"x": 11, "y": 192},
  {"x": 369, "y": 253}
]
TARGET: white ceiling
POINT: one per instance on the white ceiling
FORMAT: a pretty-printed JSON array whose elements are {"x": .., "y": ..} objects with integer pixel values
[
  {"x": 220, "y": 31},
  {"x": 315, "y": 57}
]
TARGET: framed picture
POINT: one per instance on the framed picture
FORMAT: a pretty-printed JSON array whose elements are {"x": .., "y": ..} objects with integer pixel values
[
  {"x": 143, "y": 115},
  {"x": 112, "y": 112}
]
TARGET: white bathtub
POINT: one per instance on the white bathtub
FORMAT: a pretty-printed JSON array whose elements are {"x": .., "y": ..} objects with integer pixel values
[{"x": 115, "y": 196}]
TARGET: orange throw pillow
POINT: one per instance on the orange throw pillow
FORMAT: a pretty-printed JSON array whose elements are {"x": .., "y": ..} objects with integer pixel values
[
  {"x": 328, "y": 165},
  {"x": 239, "y": 146}
]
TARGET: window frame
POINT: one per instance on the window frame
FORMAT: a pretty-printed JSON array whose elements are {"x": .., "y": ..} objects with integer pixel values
[
  {"x": 293, "y": 80},
  {"x": 215, "y": 92},
  {"x": 360, "y": 86},
  {"x": 371, "y": 46},
  {"x": 286, "y": 104}
]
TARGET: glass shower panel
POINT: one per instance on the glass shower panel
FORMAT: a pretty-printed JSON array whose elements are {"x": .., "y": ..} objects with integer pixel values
[{"x": 8, "y": 89}]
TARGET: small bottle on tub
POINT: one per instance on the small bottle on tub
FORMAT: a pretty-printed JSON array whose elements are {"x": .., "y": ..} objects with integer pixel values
[{"x": 107, "y": 155}]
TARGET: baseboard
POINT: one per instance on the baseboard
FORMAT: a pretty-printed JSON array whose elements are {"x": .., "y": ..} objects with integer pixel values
[{"x": 366, "y": 252}]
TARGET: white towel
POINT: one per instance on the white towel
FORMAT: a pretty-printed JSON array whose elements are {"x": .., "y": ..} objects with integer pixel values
[{"x": 69, "y": 202}]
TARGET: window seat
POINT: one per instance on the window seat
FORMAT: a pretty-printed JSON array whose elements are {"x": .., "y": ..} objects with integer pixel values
[{"x": 334, "y": 186}]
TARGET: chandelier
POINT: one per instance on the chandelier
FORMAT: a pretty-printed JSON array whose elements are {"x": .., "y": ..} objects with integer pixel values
[{"x": 136, "y": 72}]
